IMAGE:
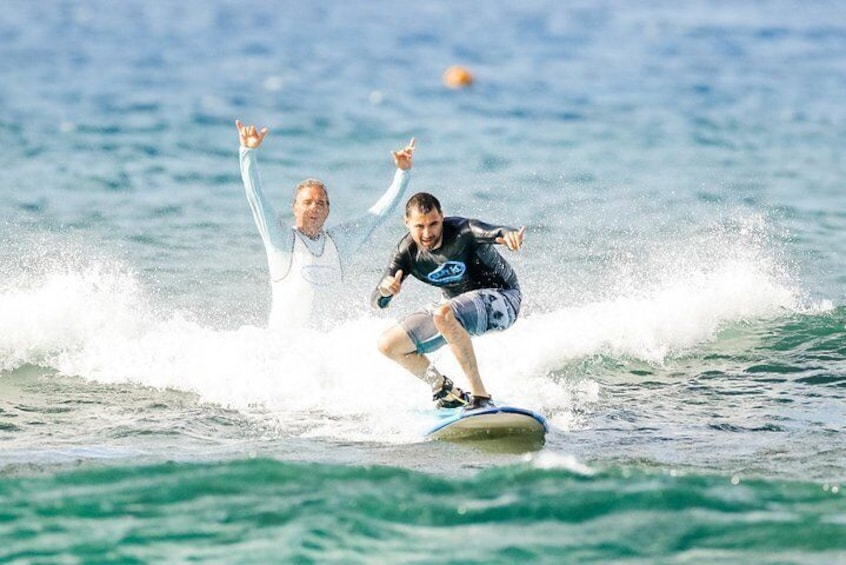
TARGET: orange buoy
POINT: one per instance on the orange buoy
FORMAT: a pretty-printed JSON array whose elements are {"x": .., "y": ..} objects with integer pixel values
[{"x": 457, "y": 77}]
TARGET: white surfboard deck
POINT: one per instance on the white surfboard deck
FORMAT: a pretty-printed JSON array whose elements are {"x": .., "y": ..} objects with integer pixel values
[{"x": 494, "y": 422}]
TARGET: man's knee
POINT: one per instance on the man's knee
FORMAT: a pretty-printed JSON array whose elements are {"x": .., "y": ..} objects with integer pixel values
[
  {"x": 385, "y": 344},
  {"x": 444, "y": 317}
]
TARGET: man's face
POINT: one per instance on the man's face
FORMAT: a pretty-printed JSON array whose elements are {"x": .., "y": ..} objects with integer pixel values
[
  {"x": 426, "y": 229},
  {"x": 311, "y": 208}
]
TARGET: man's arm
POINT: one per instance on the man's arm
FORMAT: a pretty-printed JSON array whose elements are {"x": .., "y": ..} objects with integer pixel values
[
  {"x": 489, "y": 234},
  {"x": 350, "y": 236},
  {"x": 504, "y": 235},
  {"x": 391, "y": 282},
  {"x": 278, "y": 241}
]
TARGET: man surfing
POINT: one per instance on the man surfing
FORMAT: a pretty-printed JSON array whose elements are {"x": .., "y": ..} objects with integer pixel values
[
  {"x": 480, "y": 289},
  {"x": 305, "y": 260}
]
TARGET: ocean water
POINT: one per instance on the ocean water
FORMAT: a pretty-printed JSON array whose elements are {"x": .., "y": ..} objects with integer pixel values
[{"x": 680, "y": 171}]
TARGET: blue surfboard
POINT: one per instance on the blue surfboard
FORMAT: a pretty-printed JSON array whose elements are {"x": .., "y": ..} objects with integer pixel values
[{"x": 492, "y": 422}]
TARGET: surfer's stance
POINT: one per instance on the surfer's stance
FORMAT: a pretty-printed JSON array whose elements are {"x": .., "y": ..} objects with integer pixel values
[
  {"x": 304, "y": 259},
  {"x": 480, "y": 290}
]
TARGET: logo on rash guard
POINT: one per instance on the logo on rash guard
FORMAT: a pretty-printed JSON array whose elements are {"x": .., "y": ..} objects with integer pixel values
[{"x": 450, "y": 271}]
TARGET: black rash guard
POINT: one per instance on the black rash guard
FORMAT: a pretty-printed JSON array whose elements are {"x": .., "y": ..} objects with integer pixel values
[{"x": 465, "y": 261}]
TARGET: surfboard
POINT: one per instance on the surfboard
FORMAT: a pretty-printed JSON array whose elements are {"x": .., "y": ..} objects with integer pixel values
[{"x": 493, "y": 422}]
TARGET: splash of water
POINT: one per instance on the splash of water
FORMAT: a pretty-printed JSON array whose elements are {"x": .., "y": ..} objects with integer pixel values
[{"x": 93, "y": 319}]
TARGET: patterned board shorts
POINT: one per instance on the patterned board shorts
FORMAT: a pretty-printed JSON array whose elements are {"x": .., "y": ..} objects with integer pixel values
[{"x": 478, "y": 312}]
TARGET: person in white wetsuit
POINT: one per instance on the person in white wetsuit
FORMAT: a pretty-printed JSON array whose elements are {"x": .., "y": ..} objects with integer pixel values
[{"x": 305, "y": 260}]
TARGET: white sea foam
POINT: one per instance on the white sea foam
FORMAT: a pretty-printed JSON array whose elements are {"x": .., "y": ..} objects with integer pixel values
[
  {"x": 551, "y": 460},
  {"x": 95, "y": 321}
]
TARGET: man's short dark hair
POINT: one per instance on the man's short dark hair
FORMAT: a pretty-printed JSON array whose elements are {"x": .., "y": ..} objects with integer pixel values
[{"x": 423, "y": 202}]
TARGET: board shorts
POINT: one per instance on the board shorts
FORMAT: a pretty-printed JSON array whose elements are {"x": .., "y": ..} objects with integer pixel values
[{"x": 478, "y": 312}]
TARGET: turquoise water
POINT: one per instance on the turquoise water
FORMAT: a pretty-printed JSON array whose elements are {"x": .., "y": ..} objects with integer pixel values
[
  {"x": 680, "y": 173},
  {"x": 266, "y": 510}
]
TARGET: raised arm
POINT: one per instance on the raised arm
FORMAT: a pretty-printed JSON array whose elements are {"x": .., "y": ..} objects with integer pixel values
[
  {"x": 249, "y": 136},
  {"x": 278, "y": 241},
  {"x": 351, "y": 235}
]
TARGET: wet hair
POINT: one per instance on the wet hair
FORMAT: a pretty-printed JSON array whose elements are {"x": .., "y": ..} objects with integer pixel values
[
  {"x": 311, "y": 183},
  {"x": 423, "y": 202}
]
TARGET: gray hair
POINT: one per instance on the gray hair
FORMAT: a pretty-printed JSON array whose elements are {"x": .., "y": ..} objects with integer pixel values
[{"x": 311, "y": 183}]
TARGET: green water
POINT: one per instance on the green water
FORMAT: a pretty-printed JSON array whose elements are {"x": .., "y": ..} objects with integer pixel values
[{"x": 256, "y": 510}]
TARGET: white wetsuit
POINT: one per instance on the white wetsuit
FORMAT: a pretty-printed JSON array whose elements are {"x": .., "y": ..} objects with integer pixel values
[{"x": 305, "y": 271}]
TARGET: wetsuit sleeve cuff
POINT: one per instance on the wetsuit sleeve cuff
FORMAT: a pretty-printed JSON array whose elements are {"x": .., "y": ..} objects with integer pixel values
[{"x": 379, "y": 301}]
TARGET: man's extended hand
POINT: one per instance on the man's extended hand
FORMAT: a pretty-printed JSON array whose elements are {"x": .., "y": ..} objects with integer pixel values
[
  {"x": 249, "y": 136},
  {"x": 391, "y": 285},
  {"x": 513, "y": 240},
  {"x": 403, "y": 158}
]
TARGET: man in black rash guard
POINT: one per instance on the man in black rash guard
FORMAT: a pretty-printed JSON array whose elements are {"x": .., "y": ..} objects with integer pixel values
[{"x": 482, "y": 294}]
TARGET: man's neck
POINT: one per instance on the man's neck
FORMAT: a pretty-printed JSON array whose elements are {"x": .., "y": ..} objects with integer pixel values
[{"x": 311, "y": 235}]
